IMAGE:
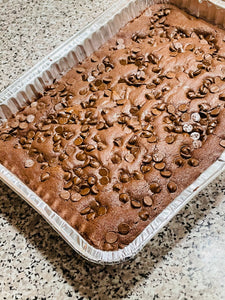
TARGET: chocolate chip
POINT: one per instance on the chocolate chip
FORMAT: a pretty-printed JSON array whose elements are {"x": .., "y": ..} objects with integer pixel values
[
  {"x": 56, "y": 138},
  {"x": 65, "y": 195},
  {"x": 90, "y": 147},
  {"x": 124, "y": 177},
  {"x": 78, "y": 171},
  {"x": 101, "y": 146},
  {"x": 147, "y": 159},
  {"x": 158, "y": 157},
  {"x": 179, "y": 162},
  {"x": 178, "y": 129},
  {"x": 116, "y": 158},
  {"x": 29, "y": 163},
  {"x": 75, "y": 197},
  {"x": 182, "y": 107},
  {"x": 118, "y": 142},
  {"x": 59, "y": 129},
  {"x": 94, "y": 190},
  {"x": 104, "y": 180},
  {"x": 145, "y": 168},
  {"x": 62, "y": 156},
  {"x": 152, "y": 139},
  {"x": 68, "y": 185},
  {"x": 149, "y": 96},
  {"x": 187, "y": 128},
  {"x": 91, "y": 216},
  {"x": 121, "y": 101},
  {"x": 137, "y": 175},
  {"x": 124, "y": 197},
  {"x": 155, "y": 187},
  {"x": 92, "y": 180},
  {"x": 117, "y": 187},
  {"x": 193, "y": 162},
  {"x": 30, "y": 118},
  {"x": 144, "y": 215},
  {"x": 76, "y": 180},
  {"x": 70, "y": 81},
  {"x": 23, "y": 125},
  {"x": 14, "y": 124},
  {"x": 135, "y": 204},
  {"x": 222, "y": 96},
  {"x": 189, "y": 47},
  {"x": 67, "y": 176},
  {"x": 222, "y": 143},
  {"x": 103, "y": 172},
  {"x": 185, "y": 151},
  {"x": 147, "y": 201},
  {"x": 204, "y": 107},
  {"x": 101, "y": 211},
  {"x": 129, "y": 157},
  {"x": 155, "y": 112},
  {"x": 170, "y": 139},
  {"x": 159, "y": 166},
  {"x": 172, "y": 187},
  {"x": 111, "y": 237},
  {"x": 69, "y": 150},
  {"x": 185, "y": 117},
  {"x": 94, "y": 163},
  {"x": 171, "y": 109},
  {"x": 165, "y": 173},
  {"x": 195, "y": 117},
  {"x": 214, "y": 89},
  {"x": 156, "y": 69},
  {"x": 81, "y": 156},
  {"x": 61, "y": 87},
  {"x": 133, "y": 140},
  {"x": 85, "y": 211},
  {"x": 214, "y": 112},
  {"x": 84, "y": 191},
  {"x": 63, "y": 121},
  {"x": 170, "y": 75},
  {"x": 191, "y": 95},
  {"x": 45, "y": 176},
  {"x": 123, "y": 228}
]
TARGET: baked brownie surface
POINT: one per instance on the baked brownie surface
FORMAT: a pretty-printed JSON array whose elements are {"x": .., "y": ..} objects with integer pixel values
[{"x": 111, "y": 144}]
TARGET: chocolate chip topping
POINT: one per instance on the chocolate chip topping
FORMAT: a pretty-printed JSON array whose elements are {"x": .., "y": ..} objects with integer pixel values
[
  {"x": 193, "y": 162},
  {"x": 124, "y": 228},
  {"x": 111, "y": 237},
  {"x": 45, "y": 176},
  {"x": 103, "y": 172},
  {"x": 65, "y": 195},
  {"x": 124, "y": 197},
  {"x": 135, "y": 204},
  {"x": 75, "y": 197},
  {"x": 147, "y": 201},
  {"x": 172, "y": 187},
  {"x": 222, "y": 143},
  {"x": 155, "y": 187},
  {"x": 29, "y": 163},
  {"x": 144, "y": 215},
  {"x": 170, "y": 139}
]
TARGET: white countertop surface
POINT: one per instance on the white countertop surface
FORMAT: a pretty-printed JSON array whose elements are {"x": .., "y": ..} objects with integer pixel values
[{"x": 186, "y": 260}]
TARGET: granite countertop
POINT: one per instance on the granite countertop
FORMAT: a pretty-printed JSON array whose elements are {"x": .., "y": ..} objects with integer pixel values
[{"x": 185, "y": 260}]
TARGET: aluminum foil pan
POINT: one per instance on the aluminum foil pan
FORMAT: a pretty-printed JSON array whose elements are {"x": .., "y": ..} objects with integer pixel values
[{"x": 58, "y": 63}]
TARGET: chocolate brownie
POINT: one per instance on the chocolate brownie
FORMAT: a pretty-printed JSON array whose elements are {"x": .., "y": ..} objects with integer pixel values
[{"x": 123, "y": 133}]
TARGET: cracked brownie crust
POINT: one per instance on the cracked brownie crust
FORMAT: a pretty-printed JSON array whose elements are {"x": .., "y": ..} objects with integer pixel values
[{"x": 112, "y": 143}]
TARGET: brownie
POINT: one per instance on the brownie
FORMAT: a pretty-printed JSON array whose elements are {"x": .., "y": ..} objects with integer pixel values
[{"x": 123, "y": 133}]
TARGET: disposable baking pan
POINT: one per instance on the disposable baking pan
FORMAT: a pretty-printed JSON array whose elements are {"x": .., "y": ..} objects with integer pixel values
[{"x": 58, "y": 63}]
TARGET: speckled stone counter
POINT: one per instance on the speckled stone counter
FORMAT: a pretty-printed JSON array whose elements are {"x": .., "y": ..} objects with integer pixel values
[{"x": 186, "y": 260}]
